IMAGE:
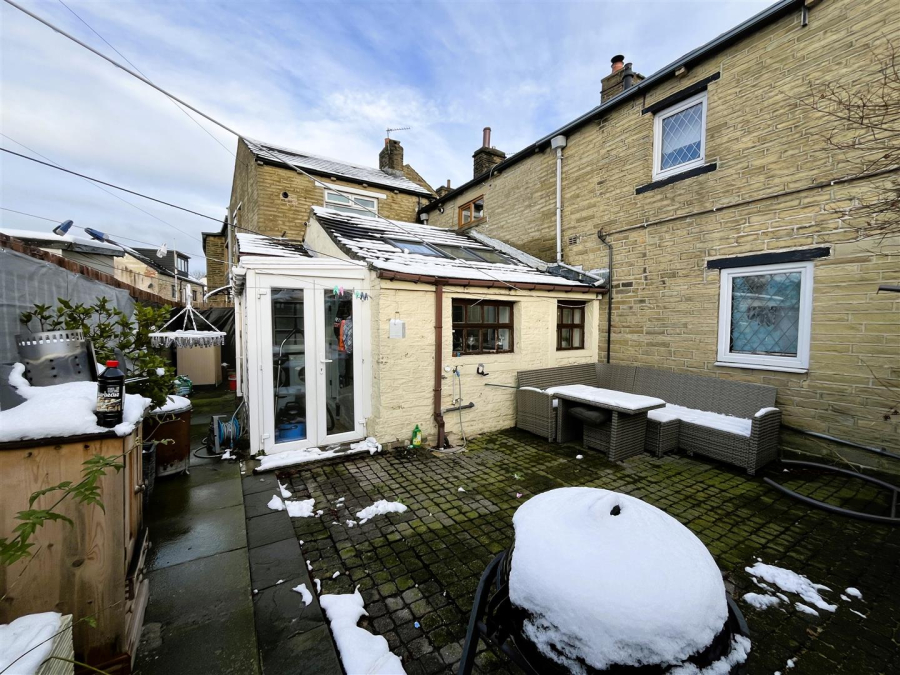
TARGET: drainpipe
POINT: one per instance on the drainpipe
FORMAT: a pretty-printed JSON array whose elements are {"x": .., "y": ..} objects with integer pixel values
[
  {"x": 558, "y": 143},
  {"x": 609, "y": 295},
  {"x": 438, "y": 358}
]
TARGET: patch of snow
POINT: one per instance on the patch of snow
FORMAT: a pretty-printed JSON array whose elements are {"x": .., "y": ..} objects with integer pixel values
[
  {"x": 782, "y": 597},
  {"x": 62, "y": 410},
  {"x": 351, "y": 523},
  {"x": 791, "y": 582},
  {"x": 648, "y": 590},
  {"x": 285, "y": 493},
  {"x": 611, "y": 397},
  {"x": 360, "y": 650},
  {"x": 340, "y": 501},
  {"x": 790, "y": 663},
  {"x": 380, "y": 508},
  {"x": 336, "y": 574},
  {"x": 740, "y": 649},
  {"x": 763, "y": 411},
  {"x": 531, "y": 389},
  {"x": 761, "y": 601},
  {"x": 854, "y": 592},
  {"x": 460, "y": 489},
  {"x": 806, "y": 609},
  {"x": 302, "y": 508},
  {"x": 226, "y": 455},
  {"x": 761, "y": 584},
  {"x": 319, "y": 513},
  {"x": 304, "y": 592},
  {"x": 292, "y": 457},
  {"x": 845, "y": 598},
  {"x": 160, "y": 371},
  {"x": 728, "y": 423},
  {"x": 30, "y": 632},
  {"x": 309, "y": 565},
  {"x": 280, "y": 581},
  {"x": 318, "y": 585},
  {"x": 859, "y": 613},
  {"x": 370, "y": 445},
  {"x": 276, "y": 503},
  {"x": 579, "y": 456}
]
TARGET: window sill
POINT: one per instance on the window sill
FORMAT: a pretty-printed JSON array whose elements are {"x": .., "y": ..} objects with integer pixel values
[
  {"x": 684, "y": 175},
  {"x": 756, "y": 366}
]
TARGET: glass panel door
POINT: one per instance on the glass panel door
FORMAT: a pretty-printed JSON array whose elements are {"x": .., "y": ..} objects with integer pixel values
[
  {"x": 339, "y": 372},
  {"x": 289, "y": 372}
]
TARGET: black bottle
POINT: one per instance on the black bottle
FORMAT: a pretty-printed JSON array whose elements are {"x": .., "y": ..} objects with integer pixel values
[{"x": 110, "y": 395}]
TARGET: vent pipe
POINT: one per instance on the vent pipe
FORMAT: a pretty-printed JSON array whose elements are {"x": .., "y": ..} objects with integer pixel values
[{"x": 558, "y": 143}]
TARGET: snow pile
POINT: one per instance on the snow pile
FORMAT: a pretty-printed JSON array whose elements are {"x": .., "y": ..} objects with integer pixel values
[
  {"x": 610, "y": 397},
  {"x": 791, "y": 582},
  {"x": 763, "y": 411},
  {"x": 302, "y": 508},
  {"x": 853, "y": 592},
  {"x": 276, "y": 503},
  {"x": 370, "y": 445},
  {"x": 304, "y": 455},
  {"x": 608, "y": 579},
  {"x": 61, "y": 410},
  {"x": 740, "y": 649},
  {"x": 31, "y": 632},
  {"x": 285, "y": 493},
  {"x": 380, "y": 508},
  {"x": 761, "y": 601},
  {"x": 729, "y": 423},
  {"x": 361, "y": 652},
  {"x": 305, "y": 594},
  {"x": 173, "y": 404}
]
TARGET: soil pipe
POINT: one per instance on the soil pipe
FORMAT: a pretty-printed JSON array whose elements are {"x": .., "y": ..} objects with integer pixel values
[
  {"x": 438, "y": 359},
  {"x": 609, "y": 296}
]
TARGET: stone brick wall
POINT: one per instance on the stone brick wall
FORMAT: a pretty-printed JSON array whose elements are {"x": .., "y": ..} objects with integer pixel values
[
  {"x": 403, "y": 370},
  {"x": 216, "y": 269},
  {"x": 766, "y": 195}
]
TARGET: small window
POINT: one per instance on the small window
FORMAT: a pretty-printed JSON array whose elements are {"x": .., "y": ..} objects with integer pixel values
[
  {"x": 679, "y": 137},
  {"x": 459, "y": 252},
  {"x": 471, "y": 212},
  {"x": 482, "y": 327},
  {"x": 364, "y": 206},
  {"x": 491, "y": 256},
  {"x": 765, "y": 315},
  {"x": 173, "y": 291},
  {"x": 182, "y": 264},
  {"x": 570, "y": 325},
  {"x": 415, "y": 247},
  {"x": 194, "y": 296}
]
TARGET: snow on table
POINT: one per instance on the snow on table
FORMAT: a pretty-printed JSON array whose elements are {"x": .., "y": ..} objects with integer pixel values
[
  {"x": 609, "y": 397},
  {"x": 62, "y": 410},
  {"x": 361, "y": 652},
  {"x": 380, "y": 508},
  {"x": 729, "y": 423},
  {"x": 609, "y": 579},
  {"x": 31, "y": 632}
]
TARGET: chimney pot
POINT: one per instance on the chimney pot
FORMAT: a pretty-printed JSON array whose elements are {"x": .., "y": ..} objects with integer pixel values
[
  {"x": 486, "y": 138},
  {"x": 448, "y": 182},
  {"x": 618, "y": 62}
]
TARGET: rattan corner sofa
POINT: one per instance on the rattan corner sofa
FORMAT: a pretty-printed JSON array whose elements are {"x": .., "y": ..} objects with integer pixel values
[{"x": 733, "y": 422}]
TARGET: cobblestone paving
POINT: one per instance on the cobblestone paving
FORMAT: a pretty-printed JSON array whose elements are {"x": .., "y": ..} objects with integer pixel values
[{"x": 418, "y": 571}]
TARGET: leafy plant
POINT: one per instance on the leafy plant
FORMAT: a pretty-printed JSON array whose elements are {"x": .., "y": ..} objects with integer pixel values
[{"x": 112, "y": 332}]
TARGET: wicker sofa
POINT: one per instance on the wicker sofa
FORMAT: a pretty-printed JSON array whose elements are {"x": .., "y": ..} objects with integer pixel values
[{"x": 748, "y": 437}]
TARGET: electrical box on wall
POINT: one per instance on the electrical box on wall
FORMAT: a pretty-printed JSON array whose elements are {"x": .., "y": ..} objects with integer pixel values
[{"x": 397, "y": 329}]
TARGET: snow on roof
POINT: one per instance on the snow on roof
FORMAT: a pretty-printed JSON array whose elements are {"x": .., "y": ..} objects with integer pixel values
[
  {"x": 259, "y": 244},
  {"x": 334, "y": 167},
  {"x": 66, "y": 241},
  {"x": 366, "y": 238}
]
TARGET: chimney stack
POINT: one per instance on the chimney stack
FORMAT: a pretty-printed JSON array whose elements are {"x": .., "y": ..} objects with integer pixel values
[
  {"x": 486, "y": 156},
  {"x": 443, "y": 189},
  {"x": 621, "y": 77},
  {"x": 390, "y": 159}
]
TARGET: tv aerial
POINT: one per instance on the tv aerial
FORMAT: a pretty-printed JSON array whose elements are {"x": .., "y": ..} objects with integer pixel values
[{"x": 388, "y": 131}]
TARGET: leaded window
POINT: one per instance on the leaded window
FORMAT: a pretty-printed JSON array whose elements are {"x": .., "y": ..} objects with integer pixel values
[{"x": 679, "y": 137}]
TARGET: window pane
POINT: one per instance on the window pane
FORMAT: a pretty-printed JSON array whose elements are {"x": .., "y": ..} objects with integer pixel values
[
  {"x": 490, "y": 314},
  {"x": 489, "y": 339},
  {"x": 415, "y": 247},
  {"x": 472, "y": 344},
  {"x": 565, "y": 338},
  {"x": 458, "y": 313},
  {"x": 504, "y": 315},
  {"x": 466, "y": 215},
  {"x": 765, "y": 314},
  {"x": 473, "y": 315},
  {"x": 577, "y": 339},
  {"x": 504, "y": 341},
  {"x": 681, "y": 137},
  {"x": 491, "y": 256},
  {"x": 336, "y": 198},
  {"x": 457, "y": 339},
  {"x": 567, "y": 315},
  {"x": 362, "y": 201},
  {"x": 577, "y": 316},
  {"x": 459, "y": 252},
  {"x": 478, "y": 210}
]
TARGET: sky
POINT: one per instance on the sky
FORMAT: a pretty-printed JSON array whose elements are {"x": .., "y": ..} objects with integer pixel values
[{"x": 324, "y": 77}]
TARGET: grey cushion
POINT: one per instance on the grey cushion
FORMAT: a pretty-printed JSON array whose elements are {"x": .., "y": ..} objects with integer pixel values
[{"x": 591, "y": 416}]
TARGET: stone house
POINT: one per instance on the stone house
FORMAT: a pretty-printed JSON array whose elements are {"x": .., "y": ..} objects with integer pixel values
[
  {"x": 709, "y": 191},
  {"x": 270, "y": 197}
]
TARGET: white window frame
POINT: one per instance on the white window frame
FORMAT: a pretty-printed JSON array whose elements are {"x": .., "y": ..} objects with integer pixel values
[
  {"x": 350, "y": 194},
  {"x": 659, "y": 173},
  {"x": 791, "y": 364}
]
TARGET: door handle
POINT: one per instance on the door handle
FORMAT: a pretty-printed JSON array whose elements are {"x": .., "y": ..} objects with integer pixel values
[{"x": 325, "y": 361}]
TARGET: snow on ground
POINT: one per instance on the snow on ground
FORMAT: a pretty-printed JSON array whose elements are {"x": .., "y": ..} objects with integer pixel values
[
  {"x": 854, "y": 592},
  {"x": 610, "y": 579},
  {"x": 806, "y": 609},
  {"x": 227, "y": 455},
  {"x": 791, "y": 582},
  {"x": 859, "y": 614},
  {"x": 30, "y": 632},
  {"x": 302, "y": 508},
  {"x": 336, "y": 574},
  {"x": 729, "y": 423},
  {"x": 291, "y": 457},
  {"x": 173, "y": 404},
  {"x": 740, "y": 649},
  {"x": 304, "y": 592},
  {"x": 285, "y": 493},
  {"x": 361, "y": 652},
  {"x": 370, "y": 445},
  {"x": 761, "y": 601},
  {"x": 61, "y": 410},
  {"x": 351, "y": 523},
  {"x": 579, "y": 456},
  {"x": 276, "y": 503},
  {"x": 379, "y": 508},
  {"x": 611, "y": 397}
]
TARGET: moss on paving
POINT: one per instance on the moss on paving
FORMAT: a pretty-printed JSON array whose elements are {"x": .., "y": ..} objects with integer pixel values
[{"x": 418, "y": 570}]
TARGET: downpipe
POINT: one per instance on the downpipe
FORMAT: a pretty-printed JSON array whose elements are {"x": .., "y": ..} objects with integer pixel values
[
  {"x": 438, "y": 360},
  {"x": 558, "y": 143},
  {"x": 609, "y": 295}
]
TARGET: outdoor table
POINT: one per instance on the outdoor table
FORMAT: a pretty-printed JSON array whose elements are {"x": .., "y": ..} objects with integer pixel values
[{"x": 623, "y": 436}]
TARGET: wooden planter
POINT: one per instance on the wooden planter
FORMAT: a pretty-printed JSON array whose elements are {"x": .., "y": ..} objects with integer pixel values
[{"x": 91, "y": 569}]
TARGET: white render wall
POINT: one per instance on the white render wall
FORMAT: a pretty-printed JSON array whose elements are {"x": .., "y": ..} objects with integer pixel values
[{"x": 403, "y": 369}]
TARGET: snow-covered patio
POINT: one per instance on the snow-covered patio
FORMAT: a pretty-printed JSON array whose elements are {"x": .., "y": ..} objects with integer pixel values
[{"x": 417, "y": 570}]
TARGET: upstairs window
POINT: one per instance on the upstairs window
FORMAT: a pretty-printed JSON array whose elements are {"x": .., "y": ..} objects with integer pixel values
[
  {"x": 471, "y": 212},
  {"x": 182, "y": 264},
  {"x": 349, "y": 203},
  {"x": 569, "y": 325},
  {"x": 679, "y": 137},
  {"x": 482, "y": 327}
]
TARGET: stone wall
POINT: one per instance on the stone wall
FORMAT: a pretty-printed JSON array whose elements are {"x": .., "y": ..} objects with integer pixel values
[
  {"x": 771, "y": 191},
  {"x": 216, "y": 269}
]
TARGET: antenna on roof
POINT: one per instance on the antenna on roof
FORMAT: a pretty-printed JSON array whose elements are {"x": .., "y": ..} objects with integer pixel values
[{"x": 388, "y": 131}]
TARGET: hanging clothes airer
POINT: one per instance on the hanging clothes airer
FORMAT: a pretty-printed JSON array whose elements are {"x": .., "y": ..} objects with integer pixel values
[{"x": 189, "y": 335}]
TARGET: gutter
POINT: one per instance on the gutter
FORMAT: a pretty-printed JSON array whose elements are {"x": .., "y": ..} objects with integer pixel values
[
  {"x": 724, "y": 40},
  {"x": 427, "y": 279}
]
